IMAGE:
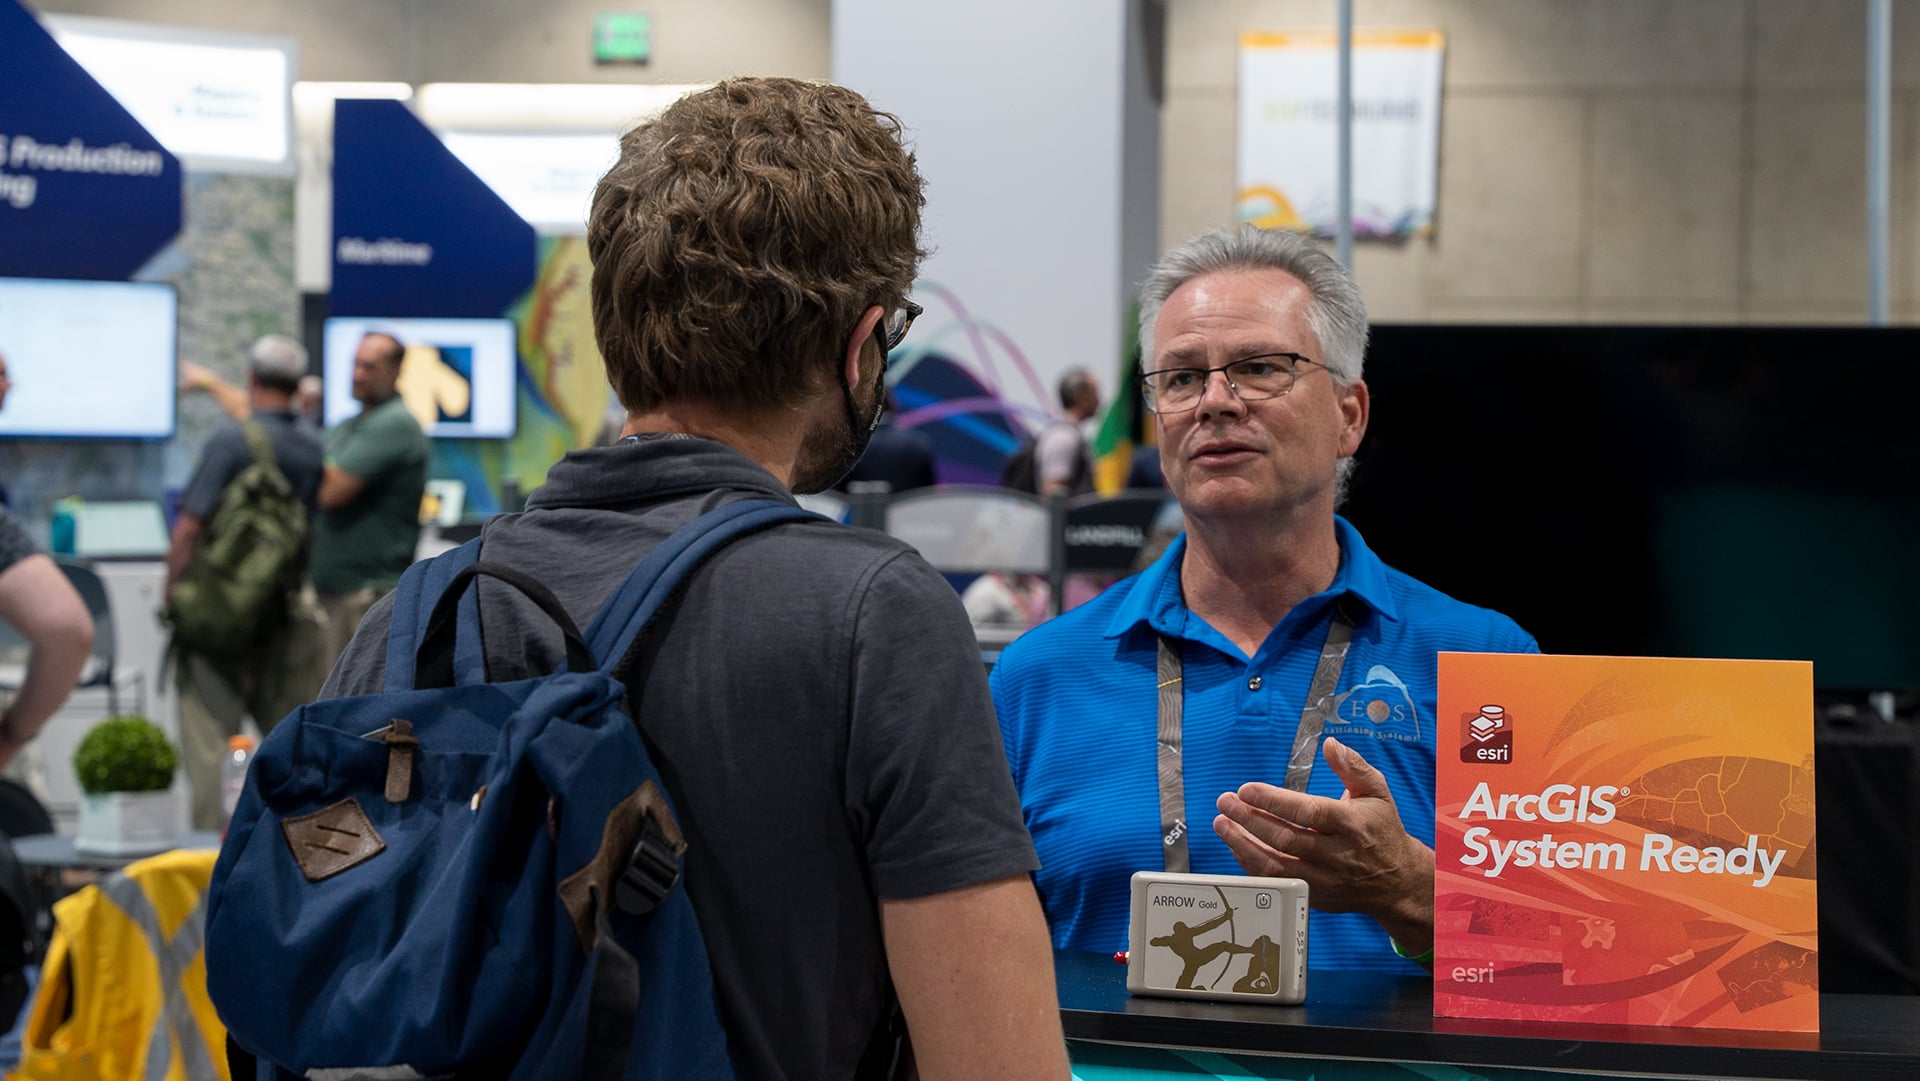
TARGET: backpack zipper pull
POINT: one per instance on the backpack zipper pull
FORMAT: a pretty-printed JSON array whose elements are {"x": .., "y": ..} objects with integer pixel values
[{"x": 400, "y": 742}]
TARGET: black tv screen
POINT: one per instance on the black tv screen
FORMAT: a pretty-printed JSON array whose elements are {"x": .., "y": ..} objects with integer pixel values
[
  {"x": 1659, "y": 491},
  {"x": 88, "y": 359}
]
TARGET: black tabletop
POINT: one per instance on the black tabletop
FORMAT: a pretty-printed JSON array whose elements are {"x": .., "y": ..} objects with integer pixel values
[
  {"x": 57, "y": 850},
  {"x": 1390, "y": 1019}
]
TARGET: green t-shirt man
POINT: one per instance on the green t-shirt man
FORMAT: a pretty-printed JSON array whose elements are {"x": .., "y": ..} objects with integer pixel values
[{"x": 370, "y": 541}]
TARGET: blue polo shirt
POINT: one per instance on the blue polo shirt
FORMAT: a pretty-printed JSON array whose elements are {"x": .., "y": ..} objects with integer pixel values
[{"x": 1078, "y": 711}]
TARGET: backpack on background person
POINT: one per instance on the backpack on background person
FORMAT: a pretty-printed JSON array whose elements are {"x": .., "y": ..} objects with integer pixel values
[
  {"x": 1021, "y": 469},
  {"x": 1018, "y": 471},
  {"x": 234, "y": 591},
  {"x": 456, "y": 876}
]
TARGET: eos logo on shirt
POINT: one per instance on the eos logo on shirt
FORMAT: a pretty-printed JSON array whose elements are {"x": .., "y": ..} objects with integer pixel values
[{"x": 1380, "y": 707}]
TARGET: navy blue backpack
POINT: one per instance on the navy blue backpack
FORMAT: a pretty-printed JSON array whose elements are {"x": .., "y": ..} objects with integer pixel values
[{"x": 456, "y": 877}]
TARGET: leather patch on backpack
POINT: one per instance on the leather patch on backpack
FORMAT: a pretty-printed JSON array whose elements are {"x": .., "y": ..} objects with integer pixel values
[
  {"x": 332, "y": 839},
  {"x": 593, "y": 885}
]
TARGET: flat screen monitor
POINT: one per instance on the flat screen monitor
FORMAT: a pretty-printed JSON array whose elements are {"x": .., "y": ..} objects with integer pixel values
[
  {"x": 1748, "y": 492},
  {"x": 457, "y": 378},
  {"x": 88, "y": 359}
]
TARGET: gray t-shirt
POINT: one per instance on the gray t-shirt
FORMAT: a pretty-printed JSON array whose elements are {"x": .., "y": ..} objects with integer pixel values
[
  {"x": 295, "y": 449},
  {"x": 817, "y": 707}
]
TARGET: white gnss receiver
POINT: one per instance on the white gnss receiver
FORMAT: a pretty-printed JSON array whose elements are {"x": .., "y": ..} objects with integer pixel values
[{"x": 1228, "y": 937}]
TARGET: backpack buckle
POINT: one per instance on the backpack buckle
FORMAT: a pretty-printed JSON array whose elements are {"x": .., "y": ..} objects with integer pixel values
[{"x": 653, "y": 869}]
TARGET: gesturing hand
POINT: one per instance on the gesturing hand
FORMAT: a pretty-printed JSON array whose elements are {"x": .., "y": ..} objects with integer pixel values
[{"x": 1353, "y": 852}]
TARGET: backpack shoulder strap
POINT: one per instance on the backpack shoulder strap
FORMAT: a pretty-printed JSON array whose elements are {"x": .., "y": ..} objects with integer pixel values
[
  {"x": 257, "y": 442},
  {"x": 413, "y": 600},
  {"x": 261, "y": 447},
  {"x": 634, "y": 604}
]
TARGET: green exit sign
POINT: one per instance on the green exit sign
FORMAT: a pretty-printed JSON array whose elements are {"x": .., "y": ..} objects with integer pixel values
[{"x": 622, "y": 38}]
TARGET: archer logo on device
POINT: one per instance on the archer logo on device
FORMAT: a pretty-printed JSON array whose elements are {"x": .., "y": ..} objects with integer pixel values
[
  {"x": 1228, "y": 937},
  {"x": 1486, "y": 737}
]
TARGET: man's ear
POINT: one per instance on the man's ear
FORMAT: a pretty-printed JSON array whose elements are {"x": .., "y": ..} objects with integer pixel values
[
  {"x": 1356, "y": 406},
  {"x": 857, "y": 345}
]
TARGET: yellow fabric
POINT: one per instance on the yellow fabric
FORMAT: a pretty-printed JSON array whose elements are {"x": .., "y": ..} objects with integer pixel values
[{"x": 103, "y": 963}]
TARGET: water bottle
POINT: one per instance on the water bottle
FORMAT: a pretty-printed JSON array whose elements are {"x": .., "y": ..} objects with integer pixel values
[
  {"x": 233, "y": 776},
  {"x": 63, "y": 530}
]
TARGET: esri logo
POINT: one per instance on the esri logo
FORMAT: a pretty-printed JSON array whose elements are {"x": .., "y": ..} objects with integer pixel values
[{"x": 1487, "y": 736}]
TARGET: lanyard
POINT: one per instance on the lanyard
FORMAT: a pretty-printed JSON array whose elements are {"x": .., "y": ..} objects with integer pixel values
[{"x": 1306, "y": 741}]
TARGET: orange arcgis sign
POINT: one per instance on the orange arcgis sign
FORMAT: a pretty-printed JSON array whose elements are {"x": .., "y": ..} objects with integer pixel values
[{"x": 1626, "y": 840}]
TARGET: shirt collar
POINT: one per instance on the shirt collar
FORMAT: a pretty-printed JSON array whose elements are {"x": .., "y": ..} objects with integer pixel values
[
  {"x": 1361, "y": 572},
  {"x": 1153, "y": 600},
  {"x": 657, "y": 466}
]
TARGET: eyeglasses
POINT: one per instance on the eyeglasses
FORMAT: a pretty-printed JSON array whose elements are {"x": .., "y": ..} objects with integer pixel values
[
  {"x": 1252, "y": 379},
  {"x": 893, "y": 329}
]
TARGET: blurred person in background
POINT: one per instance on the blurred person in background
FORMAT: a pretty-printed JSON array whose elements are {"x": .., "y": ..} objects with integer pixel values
[
  {"x": 1062, "y": 464},
  {"x": 285, "y": 661},
  {"x": 37, "y": 601},
  {"x": 376, "y": 471}
]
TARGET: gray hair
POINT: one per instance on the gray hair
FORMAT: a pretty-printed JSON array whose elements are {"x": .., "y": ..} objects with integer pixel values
[
  {"x": 278, "y": 361},
  {"x": 1338, "y": 316}
]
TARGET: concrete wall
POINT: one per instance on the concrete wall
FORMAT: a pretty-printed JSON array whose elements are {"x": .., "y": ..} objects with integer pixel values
[
  {"x": 1604, "y": 160},
  {"x": 1023, "y": 140},
  {"x": 1601, "y": 160}
]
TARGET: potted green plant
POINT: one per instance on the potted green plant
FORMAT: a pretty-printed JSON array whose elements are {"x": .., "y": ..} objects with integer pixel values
[{"x": 127, "y": 807}]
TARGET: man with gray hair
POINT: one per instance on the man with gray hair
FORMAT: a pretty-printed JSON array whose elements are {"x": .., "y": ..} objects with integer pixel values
[
  {"x": 1267, "y": 638},
  {"x": 282, "y": 664}
]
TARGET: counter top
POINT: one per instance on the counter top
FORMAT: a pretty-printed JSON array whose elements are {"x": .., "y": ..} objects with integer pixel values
[{"x": 1390, "y": 1018}]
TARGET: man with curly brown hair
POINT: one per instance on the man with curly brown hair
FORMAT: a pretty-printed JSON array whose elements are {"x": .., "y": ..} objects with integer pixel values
[{"x": 814, "y": 697}]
